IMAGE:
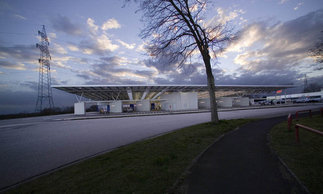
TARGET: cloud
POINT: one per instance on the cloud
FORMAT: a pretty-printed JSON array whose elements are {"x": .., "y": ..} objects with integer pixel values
[
  {"x": 142, "y": 48},
  {"x": 59, "y": 49},
  {"x": 20, "y": 52},
  {"x": 283, "y": 1},
  {"x": 19, "y": 17},
  {"x": 104, "y": 43},
  {"x": 298, "y": 6},
  {"x": 111, "y": 24},
  {"x": 128, "y": 46},
  {"x": 61, "y": 62},
  {"x": 224, "y": 16},
  {"x": 251, "y": 34},
  {"x": 72, "y": 47},
  {"x": 100, "y": 45},
  {"x": 52, "y": 35},
  {"x": 10, "y": 65},
  {"x": 93, "y": 28},
  {"x": 116, "y": 70},
  {"x": 32, "y": 85},
  {"x": 64, "y": 24},
  {"x": 280, "y": 46}
]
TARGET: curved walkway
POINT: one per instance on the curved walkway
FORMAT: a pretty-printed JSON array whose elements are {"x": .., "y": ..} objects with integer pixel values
[{"x": 242, "y": 162}]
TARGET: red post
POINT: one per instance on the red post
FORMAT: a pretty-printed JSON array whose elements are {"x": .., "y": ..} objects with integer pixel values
[
  {"x": 311, "y": 113},
  {"x": 297, "y": 133},
  {"x": 296, "y": 115},
  {"x": 289, "y": 121}
]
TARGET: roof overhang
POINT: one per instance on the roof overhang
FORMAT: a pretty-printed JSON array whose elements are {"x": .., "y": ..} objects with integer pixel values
[{"x": 140, "y": 92}]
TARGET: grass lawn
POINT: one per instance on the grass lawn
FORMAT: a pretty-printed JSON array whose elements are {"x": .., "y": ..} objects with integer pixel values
[
  {"x": 150, "y": 166},
  {"x": 305, "y": 159}
]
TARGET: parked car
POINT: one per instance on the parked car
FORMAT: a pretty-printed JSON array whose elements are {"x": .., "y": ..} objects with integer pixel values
[
  {"x": 315, "y": 100},
  {"x": 302, "y": 100},
  {"x": 265, "y": 102}
]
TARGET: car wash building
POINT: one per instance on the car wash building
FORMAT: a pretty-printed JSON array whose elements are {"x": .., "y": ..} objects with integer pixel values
[{"x": 145, "y": 98}]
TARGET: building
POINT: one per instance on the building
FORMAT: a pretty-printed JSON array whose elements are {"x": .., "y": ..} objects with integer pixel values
[
  {"x": 298, "y": 98},
  {"x": 124, "y": 98}
]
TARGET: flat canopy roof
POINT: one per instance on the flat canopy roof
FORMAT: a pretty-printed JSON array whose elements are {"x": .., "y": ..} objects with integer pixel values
[{"x": 141, "y": 92}]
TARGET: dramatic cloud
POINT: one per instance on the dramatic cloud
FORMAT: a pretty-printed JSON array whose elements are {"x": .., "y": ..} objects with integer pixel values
[
  {"x": 281, "y": 46},
  {"x": 64, "y": 24},
  {"x": 110, "y": 24},
  {"x": 117, "y": 70}
]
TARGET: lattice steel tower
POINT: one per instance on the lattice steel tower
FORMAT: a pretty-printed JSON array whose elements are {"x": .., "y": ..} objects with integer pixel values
[{"x": 45, "y": 98}]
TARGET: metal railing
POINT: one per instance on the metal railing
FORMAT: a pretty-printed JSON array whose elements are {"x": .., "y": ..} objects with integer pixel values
[
  {"x": 296, "y": 114},
  {"x": 297, "y": 126}
]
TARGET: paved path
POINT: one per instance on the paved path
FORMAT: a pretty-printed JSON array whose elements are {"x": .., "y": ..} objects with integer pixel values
[
  {"x": 32, "y": 146},
  {"x": 242, "y": 162}
]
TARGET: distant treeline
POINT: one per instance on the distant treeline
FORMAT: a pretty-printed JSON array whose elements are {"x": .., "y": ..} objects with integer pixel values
[{"x": 44, "y": 112}]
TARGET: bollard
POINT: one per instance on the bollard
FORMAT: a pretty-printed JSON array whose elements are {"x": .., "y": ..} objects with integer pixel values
[
  {"x": 297, "y": 133},
  {"x": 311, "y": 113}
]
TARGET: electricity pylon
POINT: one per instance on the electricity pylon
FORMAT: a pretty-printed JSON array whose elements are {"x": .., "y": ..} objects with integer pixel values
[{"x": 45, "y": 98}]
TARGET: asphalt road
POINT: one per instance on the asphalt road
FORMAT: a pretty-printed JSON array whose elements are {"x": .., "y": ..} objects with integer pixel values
[{"x": 32, "y": 146}]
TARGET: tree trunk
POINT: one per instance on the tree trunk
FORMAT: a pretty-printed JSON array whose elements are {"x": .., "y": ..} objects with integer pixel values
[{"x": 211, "y": 86}]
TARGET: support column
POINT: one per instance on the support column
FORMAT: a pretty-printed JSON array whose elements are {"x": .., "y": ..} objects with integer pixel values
[
  {"x": 116, "y": 106},
  {"x": 143, "y": 106},
  {"x": 79, "y": 108},
  {"x": 129, "y": 91}
]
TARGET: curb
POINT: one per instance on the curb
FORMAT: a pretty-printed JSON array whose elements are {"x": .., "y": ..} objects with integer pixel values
[{"x": 170, "y": 113}]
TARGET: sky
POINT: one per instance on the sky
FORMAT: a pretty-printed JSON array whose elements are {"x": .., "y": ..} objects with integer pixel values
[{"x": 98, "y": 42}]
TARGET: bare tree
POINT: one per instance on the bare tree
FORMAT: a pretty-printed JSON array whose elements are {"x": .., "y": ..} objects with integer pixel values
[{"x": 177, "y": 29}]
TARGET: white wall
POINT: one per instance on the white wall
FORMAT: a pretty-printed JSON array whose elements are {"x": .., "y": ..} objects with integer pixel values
[
  {"x": 143, "y": 105},
  {"x": 179, "y": 101},
  {"x": 241, "y": 101},
  {"x": 204, "y": 103},
  {"x": 79, "y": 108},
  {"x": 189, "y": 101},
  {"x": 224, "y": 102},
  {"x": 116, "y": 106}
]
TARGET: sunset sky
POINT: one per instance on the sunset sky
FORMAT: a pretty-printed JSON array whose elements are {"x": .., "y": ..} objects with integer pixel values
[{"x": 97, "y": 42}]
